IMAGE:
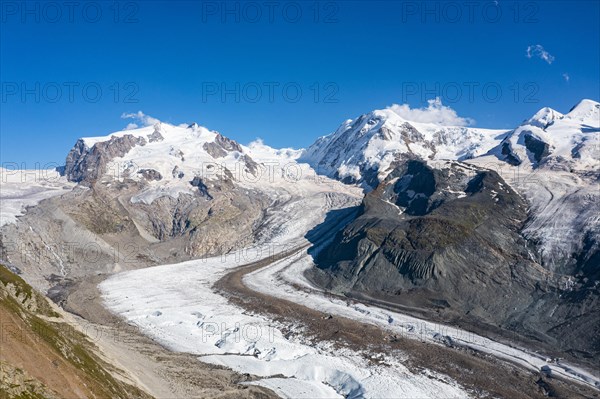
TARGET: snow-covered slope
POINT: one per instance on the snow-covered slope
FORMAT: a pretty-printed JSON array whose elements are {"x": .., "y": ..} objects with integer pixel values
[
  {"x": 22, "y": 188},
  {"x": 553, "y": 160},
  {"x": 566, "y": 141},
  {"x": 587, "y": 112},
  {"x": 364, "y": 150},
  {"x": 170, "y": 160}
]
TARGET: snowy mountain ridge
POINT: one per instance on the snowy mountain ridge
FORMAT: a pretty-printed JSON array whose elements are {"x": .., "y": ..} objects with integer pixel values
[
  {"x": 365, "y": 150},
  {"x": 549, "y": 138},
  {"x": 170, "y": 160},
  {"x": 361, "y": 151}
]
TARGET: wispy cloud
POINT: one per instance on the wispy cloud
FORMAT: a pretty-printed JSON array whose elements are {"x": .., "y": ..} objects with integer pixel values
[
  {"x": 566, "y": 76},
  {"x": 435, "y": 112},
  {"x": 141, "y": 118},
  {"x": 539, "y": 51}
]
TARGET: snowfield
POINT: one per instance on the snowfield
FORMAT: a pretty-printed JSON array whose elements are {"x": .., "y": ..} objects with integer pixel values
[{"x": 22, "y": 188}]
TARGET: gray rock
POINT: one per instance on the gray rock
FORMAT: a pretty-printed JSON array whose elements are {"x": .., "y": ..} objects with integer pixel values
[
  {"x": 202, "y": 187},
  {"x": 85, "y": 164},
  {"x": 177, "y": 173},
  {"x": 214, "y": 149},
  {"x": 421, "y": 244},
  {"x": 150, "y": 174},
  {"x": 155, "y": 136}
]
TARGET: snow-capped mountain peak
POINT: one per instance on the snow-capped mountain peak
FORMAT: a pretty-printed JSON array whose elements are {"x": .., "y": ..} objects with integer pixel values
[
  {"x": 587, "y": 112},
  {"x": 544, "y": 118},
  {"x": 364, "y": 150},
  {"x": 168, "y": 160},
  {"x": 549, "y": 138}
]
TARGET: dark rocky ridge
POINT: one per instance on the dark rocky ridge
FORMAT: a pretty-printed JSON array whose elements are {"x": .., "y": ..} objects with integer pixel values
[
  {"x": 538, "y": 150},
  {"x": 85, "y": 164},
  {"x": 419, "y": 243}
]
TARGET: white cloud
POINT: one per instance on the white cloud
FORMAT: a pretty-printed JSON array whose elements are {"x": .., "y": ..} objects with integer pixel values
[
  {"x": 435, "y": 112},
  {"x": 538, "y": 51},
  {"x": 145, "y": 120},
  {"x": 566, "y": 76},
  {"x": 131, "y": 126}
]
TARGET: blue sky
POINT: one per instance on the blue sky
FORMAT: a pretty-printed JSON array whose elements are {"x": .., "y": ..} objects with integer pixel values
[{"x": 71, "y": 71}]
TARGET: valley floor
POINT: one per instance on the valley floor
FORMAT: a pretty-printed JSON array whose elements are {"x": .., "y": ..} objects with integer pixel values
[{"x": 253, "y": 312}]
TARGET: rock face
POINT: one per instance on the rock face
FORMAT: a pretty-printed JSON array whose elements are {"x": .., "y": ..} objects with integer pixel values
[
  {"x": 430, "y": 228},
  {"x": 202, "y": 187},
  {"x": 150, "y": 174},
  {"x": 85, "y": 164},
  {"x": 447, "y": 241},
  {"x": 221, "y": 146},
  {"x": 155, "y": 136}
]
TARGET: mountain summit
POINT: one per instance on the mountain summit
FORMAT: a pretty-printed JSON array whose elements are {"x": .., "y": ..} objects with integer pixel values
[
  {"x": 551, "y": 139},
  {"x": 366, "y": 149}
]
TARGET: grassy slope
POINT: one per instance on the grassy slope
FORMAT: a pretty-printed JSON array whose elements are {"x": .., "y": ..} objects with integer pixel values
[{"x": 43, "y": 356}]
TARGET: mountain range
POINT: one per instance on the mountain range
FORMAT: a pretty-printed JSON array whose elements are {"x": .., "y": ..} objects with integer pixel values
[{"x": 496, "y": 230}]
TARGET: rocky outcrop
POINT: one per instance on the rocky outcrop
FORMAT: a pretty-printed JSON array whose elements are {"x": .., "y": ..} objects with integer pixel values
[
  {"x": 227, "y": 144},
  {"x": 538, "y": 148},
  {"x": 177, "y": 173},
  {"x": 155, "y": 136},
  {"x": 85, "y": 164},
  {"x": 424, "y": 223},
  {"x": 221, "y": 146},
  {"x": 202, "y": 187},
  {"x": 448, "y": 242},
  {"x": 150, "y": 174},
  {"x": 214, "y": 149},
  {"x": 251, "y": 166}
]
